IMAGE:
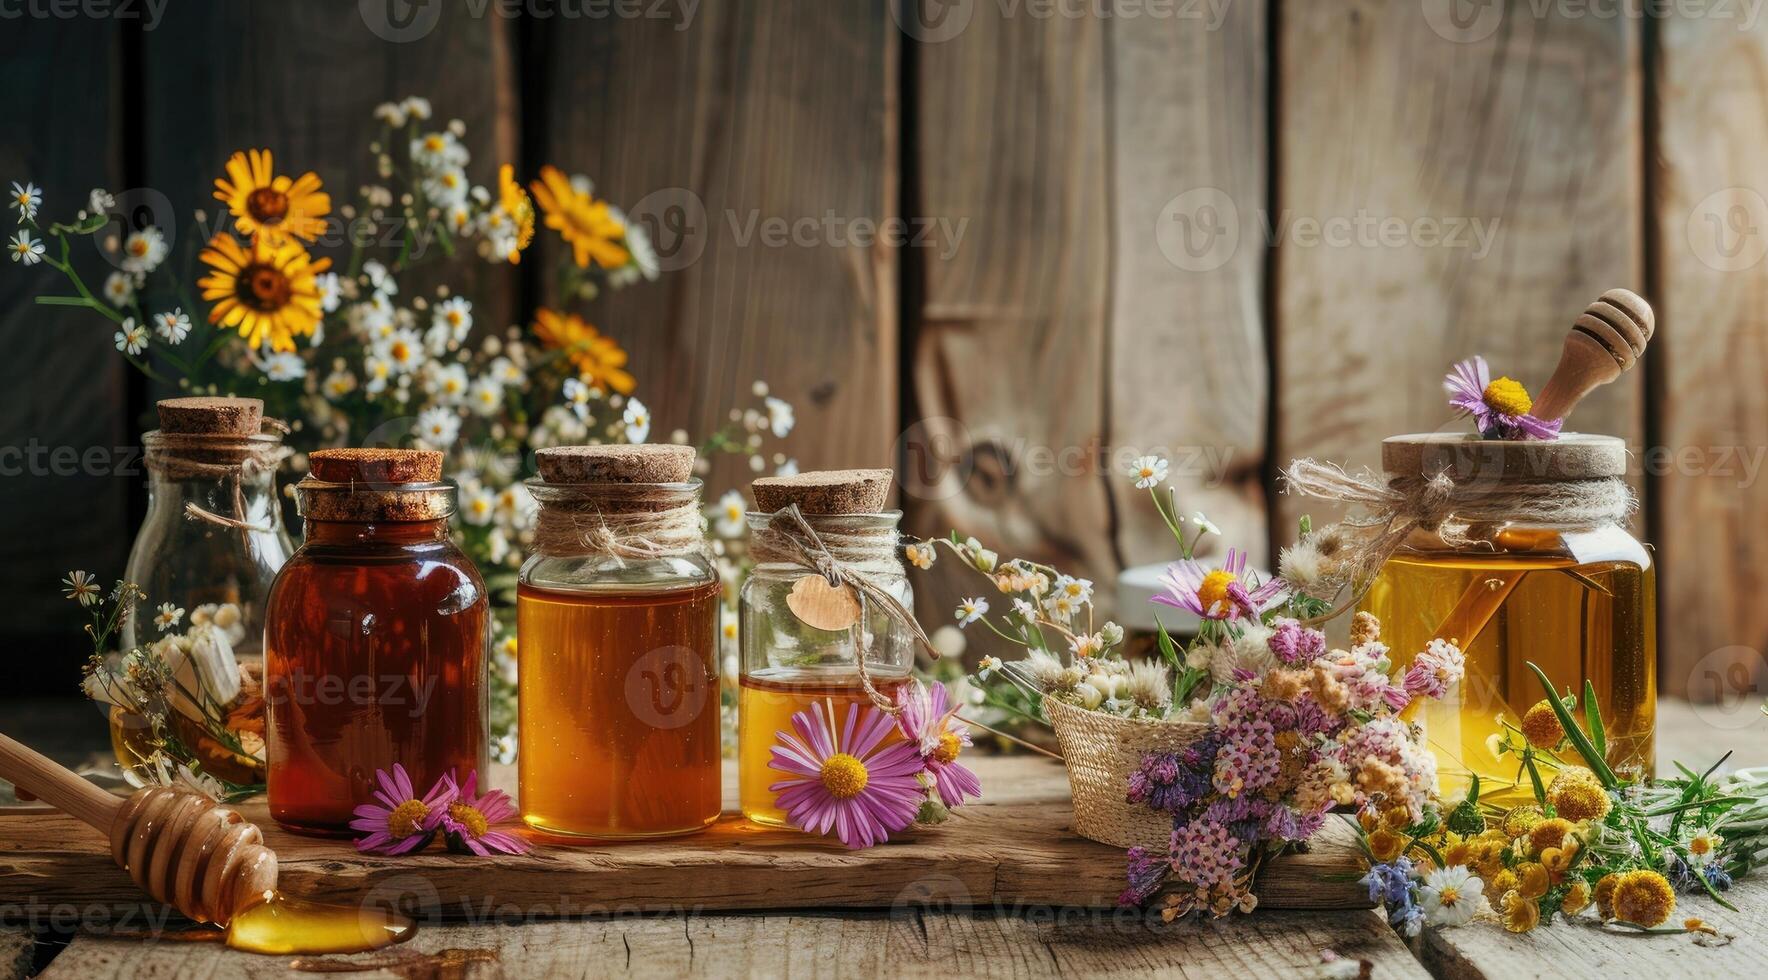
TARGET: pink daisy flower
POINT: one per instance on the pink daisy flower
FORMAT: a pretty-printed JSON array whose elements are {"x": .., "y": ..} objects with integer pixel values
[
  {"x": 926, "y": 721},
  {"x": 399, "y": 821},
  {"x": 855, "y": 785},
  {"x": 1223, "y": 593},
  {"x": 1500, "y": 408},
  {"x": 469, "y": 821}
]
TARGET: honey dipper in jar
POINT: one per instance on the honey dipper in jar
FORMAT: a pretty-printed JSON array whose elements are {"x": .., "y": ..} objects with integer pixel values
[{"x": 203, "y": 859}]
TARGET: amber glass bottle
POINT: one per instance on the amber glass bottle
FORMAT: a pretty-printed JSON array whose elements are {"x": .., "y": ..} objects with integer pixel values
[
  {"x": 1580, "y": 602},
  {"x": 790, "y": 662},
  {"x": 617, "y": 616},
  {"x": 375, "y": 642}
]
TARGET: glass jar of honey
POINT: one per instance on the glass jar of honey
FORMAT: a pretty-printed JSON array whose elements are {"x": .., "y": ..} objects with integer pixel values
[
  {"x": 802, "y": 644},
  {"x": 1564, "y": 586},
  {"x": 617, "y": 612},
  {"x": 376, "y": 639}
]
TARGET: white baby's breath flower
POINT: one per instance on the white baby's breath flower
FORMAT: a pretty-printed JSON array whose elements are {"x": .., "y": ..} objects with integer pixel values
[
  {"x": 172, "y": 327},
  {"x": 25, "y": 199},
  {"x": 728, "y": 514},
  {"x": 25, "y": 249},
  {"x": 82, "y": 588},
  {"x": 119, "y": 288},
  {"x": 638, "y": 421},
  {"x": 131, "y": 338},
  {"x": 971, "y": 610},
  {"x": 144, "y": 250},
  {"x": 1149, "y": 471},
  {"x": 438, "y": 426}
]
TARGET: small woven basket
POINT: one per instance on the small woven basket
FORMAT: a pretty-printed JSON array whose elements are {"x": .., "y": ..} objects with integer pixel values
[{"x": 1100, "y": 751}]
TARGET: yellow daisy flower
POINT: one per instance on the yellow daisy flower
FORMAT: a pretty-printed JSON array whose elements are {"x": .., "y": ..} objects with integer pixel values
[
  {"x": 599, "y": 360},
  {"x": 515, "y": 204},
  {"x": 584, "y": 222},
  {"x": 1540, "y": 724},
  {"x": 266, "y": 291},
  {"x": 1576, "y": 794},
  {"x": 267, "y": 205},
  {"x": 1643, "y": 898},
  {"x": 1519, "y": 914}
]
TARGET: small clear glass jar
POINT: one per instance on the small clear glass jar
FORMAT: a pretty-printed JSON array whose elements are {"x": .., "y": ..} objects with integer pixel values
[
  {"x": 1579, "y": 602},
  {"x": 788, "y": 664},
  {"x": 376, "y": 640},
  {"x": 617, "y": 648}
]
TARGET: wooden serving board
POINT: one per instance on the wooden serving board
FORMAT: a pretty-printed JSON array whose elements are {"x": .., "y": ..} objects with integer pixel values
[{"x": 1013, "y": 853}]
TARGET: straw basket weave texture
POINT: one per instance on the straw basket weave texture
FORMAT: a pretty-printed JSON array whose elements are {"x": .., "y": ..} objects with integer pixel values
[{"x": 1100, "y": 751}]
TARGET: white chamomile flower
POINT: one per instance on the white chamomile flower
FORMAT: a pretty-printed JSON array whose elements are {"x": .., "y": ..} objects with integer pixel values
[
  {"x": 1025, "y": 610},
  {"x": 455, "y": 315},
  {"x": 780, "y": 417},
  {"x": 1149, "y": 471},
  {"x": 578, "y": 395},
  {"x": 987, "y": 666},
  {"x": 82, "y": 588},
  {"x": 447, "y": 186},
  {"x": 172, "y": 327},
  {"x": 416, "y": 106},
  {"x": 508, "y": 373},
  {"x": 438, "y": 426},
  {"x": 377, "y": 370},
  {"x": 971, "y": 610},
  {"x": 379, "y": 279},
  {"x": 1204, "y": 524},
  {"x": 638, "y": 245},
  {"x": 331, "y": 290},
  {"x": 1080, "y": 590},
  {"x": 920, "y": 554},
  {"x": 728, "y": 515},
  {"x": 1087, "y": 645},
  {"x": 449, "y": 384},
  {"x": 485, "y": 397},
  {"x": 284, "y": 366},
  {"x": 391, "y": 114},
  {"x": 100, "y": 201},
  {"x": 338, "y": 384},
  {"x": 144, "y": 250},
  {"x": 438, "y": 150},
  {"x": 788, "y": 468},
  {"x": 1703, "y": 847},
  {"x": 1060, "y": 607},
  {"x": 25, "y": 249},
  {"x": 478, "y": 506},
  {"x": 25, "y": 198},
  {"x": 460, "y": 218},
  {"x": 1450, "y": 896},
  {"x": 119, "y": 288},
  {"x": 638, "y": 421},
  {"x": 168, "y": 617},
  {"x": 132, "y": 338},
  {"x": 403, "y": 351}
]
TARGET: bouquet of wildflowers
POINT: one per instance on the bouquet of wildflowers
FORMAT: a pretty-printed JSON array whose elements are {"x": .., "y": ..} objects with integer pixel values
[
  {"x": 1289, "y": 729},
  {"x": 345, "y": 348}
]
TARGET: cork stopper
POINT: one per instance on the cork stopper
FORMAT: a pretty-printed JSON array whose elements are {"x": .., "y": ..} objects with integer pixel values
[
  {"x": 211, "y": 416},
  {"x": 825, "y": 492},
  {"x": 375, "y": 466},
  {"x": 1466, "y": 456},
  {"x": 616, "y": 464}
]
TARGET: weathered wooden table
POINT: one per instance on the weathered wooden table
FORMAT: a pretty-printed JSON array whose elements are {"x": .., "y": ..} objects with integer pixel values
[{"x": 1007, "y": 928}]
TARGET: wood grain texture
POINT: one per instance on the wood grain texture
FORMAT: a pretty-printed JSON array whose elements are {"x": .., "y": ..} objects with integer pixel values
[
  {"x": 65, "y": 384},
  {"x": 912, "y": 943},
  {"x": 1712, "y": 226},
  {"x": 1186, "y": 371},
  {"x": 1017, "y": 854},
  {"x": 1009, "y": 346},
  {"x": 17, "y": 949},
  {"x": 302, "y": 78},
  {"x": 757, "y": 143},
  {"x": 1533, "y": 131}
]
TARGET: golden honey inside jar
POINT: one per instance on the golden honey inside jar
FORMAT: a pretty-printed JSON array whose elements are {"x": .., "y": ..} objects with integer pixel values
[
  {"x": 617, "y": 614},
  {"x": 800, "y": 646},
  {"x": 1576, "y": 598}
]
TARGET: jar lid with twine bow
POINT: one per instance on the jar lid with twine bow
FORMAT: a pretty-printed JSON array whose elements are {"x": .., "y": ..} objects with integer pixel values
[
  {"x": 368, "y": 486},
  {"x": 1460, "y": 491},
  {"x": 833, "y": 526},
  {"x": 622, "y": 504},
  {"x": 221, "y": 439}
]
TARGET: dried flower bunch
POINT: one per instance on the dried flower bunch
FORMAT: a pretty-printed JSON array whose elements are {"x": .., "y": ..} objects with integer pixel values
[
  {"x": 1291, "y": 728},
  {"x": 345, "y": 347}
]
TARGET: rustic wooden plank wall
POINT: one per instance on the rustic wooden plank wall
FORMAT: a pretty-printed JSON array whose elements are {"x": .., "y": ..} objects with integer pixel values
[{"x": 1127, "y": 246}]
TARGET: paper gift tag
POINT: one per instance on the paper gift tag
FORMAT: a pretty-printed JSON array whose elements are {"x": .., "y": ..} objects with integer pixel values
[{"x": 821, "y": 605}]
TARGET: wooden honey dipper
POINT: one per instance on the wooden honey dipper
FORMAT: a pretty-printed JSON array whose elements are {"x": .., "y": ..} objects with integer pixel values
[
  {"x": 1608, "y": 338},
  {"x": 181, "y": 847}
]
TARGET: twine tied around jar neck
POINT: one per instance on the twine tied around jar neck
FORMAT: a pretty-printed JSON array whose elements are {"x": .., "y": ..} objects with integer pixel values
[
  {"x": 223, "y": 457},
  {"x": 636, "y": 522},
  {"x": 859, "y": 559},
  {"x": 1463, "y": 513}
]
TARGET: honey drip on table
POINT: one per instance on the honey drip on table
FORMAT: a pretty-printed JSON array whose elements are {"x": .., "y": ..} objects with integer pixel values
[{"x": 281, "y": 925}]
